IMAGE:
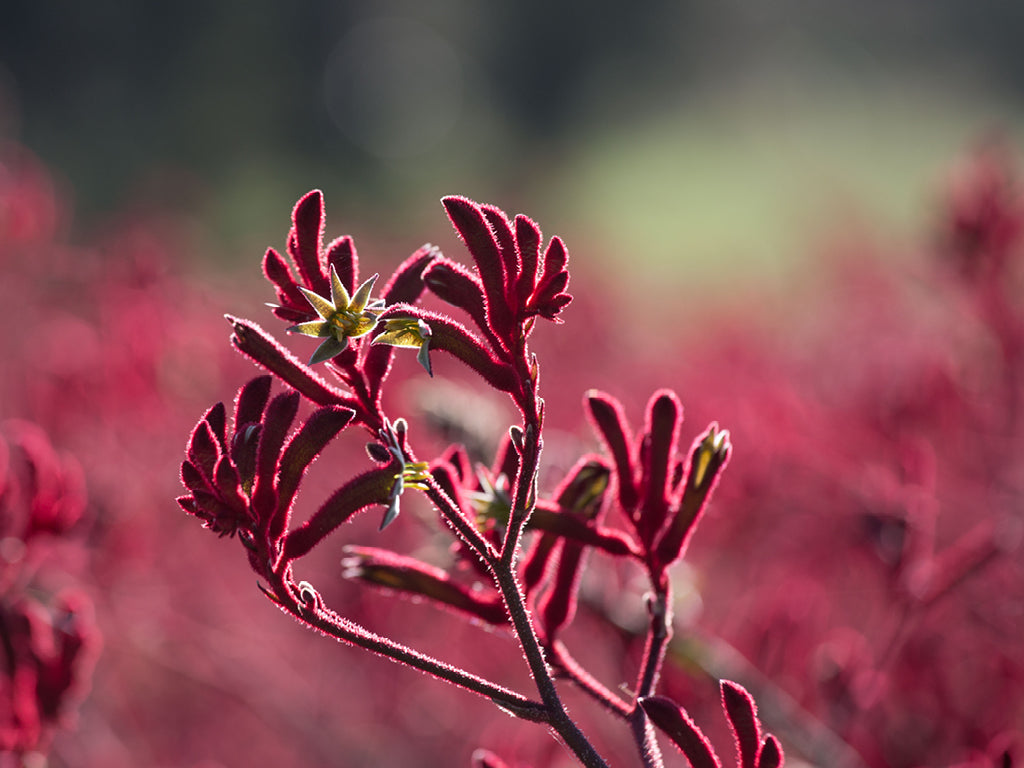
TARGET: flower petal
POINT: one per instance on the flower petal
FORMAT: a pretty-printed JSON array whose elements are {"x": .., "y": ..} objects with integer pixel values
[
  {"x": 323, "y": 307},
  {"x": 316, "y": 328},
  {"x": 331, "y": 347},
  {"x": 339, "y": 294},
  {"x": 359, "y": 301},
  {"x": 423, "y": 358},
  {"x": 404, "y": 332}
]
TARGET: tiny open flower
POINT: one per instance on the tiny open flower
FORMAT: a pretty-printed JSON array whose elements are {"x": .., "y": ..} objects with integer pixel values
[
  {"x": 413, "y": 475},
  {"x": 410, "y": 475},
  {"x": 408, "y": 332},
  {"x": 341, "y": 317}
]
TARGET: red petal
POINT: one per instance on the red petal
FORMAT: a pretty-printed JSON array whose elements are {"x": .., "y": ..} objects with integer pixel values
[
  {"x": 305, "y": 241},
  {"x": 470, "y": 222},
  {"x": 684, "y": 733},
  {"x": 742, "y": 711},
  {"x": 610, "y": 422}
]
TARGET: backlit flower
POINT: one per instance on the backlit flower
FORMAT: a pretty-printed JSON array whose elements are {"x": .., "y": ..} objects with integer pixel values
[
  {"x": 408, "y": 332},
  {"x": 341, "y": 317}
]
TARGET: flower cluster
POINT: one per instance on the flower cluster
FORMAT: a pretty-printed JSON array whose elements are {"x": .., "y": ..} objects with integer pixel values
[
  {"x": 520, "y": 554},
  {"x": 660, "y": 495},
  {"x": 47, "y": 641}
]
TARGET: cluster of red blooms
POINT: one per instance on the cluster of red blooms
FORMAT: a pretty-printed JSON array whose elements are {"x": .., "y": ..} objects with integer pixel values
[
  {"x": 875, "y": 513},
  {"x": 47, "y": 638},
  {"x": 244, "y": 480}
]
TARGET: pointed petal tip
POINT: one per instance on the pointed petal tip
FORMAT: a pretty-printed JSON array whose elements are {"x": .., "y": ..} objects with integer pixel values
[
  {"x": 423, "y": 357},
  {"x": 328, "y": 349},
  {"x": 390, "y": 516}
]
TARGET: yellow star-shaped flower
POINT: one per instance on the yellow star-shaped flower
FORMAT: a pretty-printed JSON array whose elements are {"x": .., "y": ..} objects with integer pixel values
[
  {"x": 341, "y": 317},
  {"x": 408, "y": 332}
]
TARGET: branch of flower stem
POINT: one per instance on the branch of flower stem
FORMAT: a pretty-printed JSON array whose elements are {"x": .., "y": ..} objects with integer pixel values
[
  {"x": 646, "y": 740},
  {"x": 502, "y": 568},
  {"x": 504, "y": 574},
  {"x": 659, "y": 633},
  {"x": 551, "y": 711},
  {"x": 515, "y": 603},
  {"x": 529, "y": 446},
  {"x": 340, "y": 628},
  {"x": 356, "y": 381},
  {"x": 524, "y": 495}
]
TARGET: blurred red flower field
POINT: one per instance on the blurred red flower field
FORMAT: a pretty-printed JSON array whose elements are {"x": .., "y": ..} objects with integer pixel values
[{"x": 858, "y": 571}]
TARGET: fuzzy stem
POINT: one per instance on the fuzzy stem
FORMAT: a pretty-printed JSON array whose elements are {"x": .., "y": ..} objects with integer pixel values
[
  {"x": 515, "y": 602},
  {"x": 370, "y": 414},
  {"x": 646, "y": 740},
  {"x": 504, "y": 567},
  {"x": 516, "y": 703},
  {"x": 659, "y": 633},
  {"x": 523, "y": 498},
  {"x": 508, "y": 584},
  {"x": 340, "y": 628}
]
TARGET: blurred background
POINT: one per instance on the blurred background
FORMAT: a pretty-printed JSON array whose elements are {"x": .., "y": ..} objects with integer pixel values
[
  {"x": 762, "y": 191},
  {"x": 698, "y": 136}
]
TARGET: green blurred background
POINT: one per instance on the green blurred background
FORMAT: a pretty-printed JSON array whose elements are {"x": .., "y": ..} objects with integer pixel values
[{"x": 712, "y": 140}]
